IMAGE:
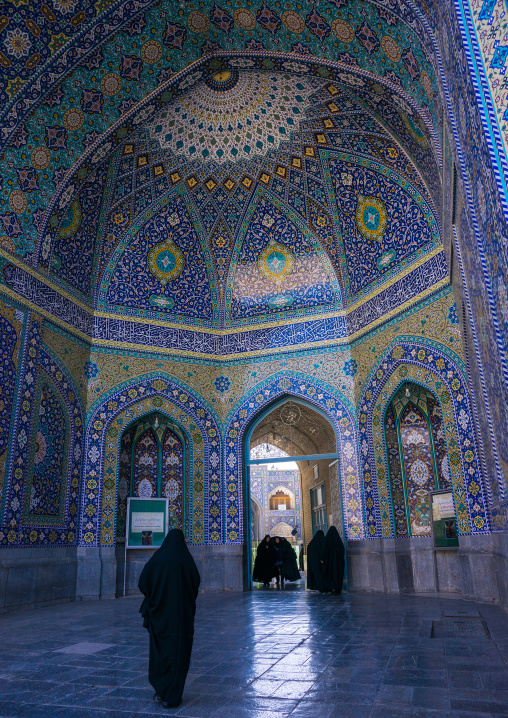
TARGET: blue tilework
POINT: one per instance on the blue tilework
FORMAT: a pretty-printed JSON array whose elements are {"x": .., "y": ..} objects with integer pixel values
[{"x": 432, "y": 361}]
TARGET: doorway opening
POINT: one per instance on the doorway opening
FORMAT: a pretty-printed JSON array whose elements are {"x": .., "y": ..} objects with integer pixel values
[{"x": 292, "y": 478}]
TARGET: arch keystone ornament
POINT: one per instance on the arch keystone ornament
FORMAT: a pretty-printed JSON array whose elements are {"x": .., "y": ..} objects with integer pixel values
[
  {"x": 276, "y": 262},
  {"x": 166, "y": 261},
  {"x": 371, "y": 218}
]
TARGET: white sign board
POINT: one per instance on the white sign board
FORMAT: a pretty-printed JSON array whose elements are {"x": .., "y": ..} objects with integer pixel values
[
  {"x": 442, "y": 507},
  {"x": 147, "y": 521}
]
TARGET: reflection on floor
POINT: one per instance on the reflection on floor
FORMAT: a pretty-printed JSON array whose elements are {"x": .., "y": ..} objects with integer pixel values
[
  {"x": 267, "y": 654},
  {"x": 288, "y": 585}
]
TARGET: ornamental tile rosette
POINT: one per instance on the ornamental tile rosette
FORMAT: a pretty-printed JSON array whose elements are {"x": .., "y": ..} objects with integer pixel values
[
  {"x": 166, "y": 261},
  {"x": 276, "y": 262},
  {"x": 371, "y": 218},
  {"x": 230, "y": 115}
]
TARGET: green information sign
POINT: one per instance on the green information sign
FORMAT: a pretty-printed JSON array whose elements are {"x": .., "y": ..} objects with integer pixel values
[
  {"x": 147, "y": 522},
  {"x": 444, "y": 523}
]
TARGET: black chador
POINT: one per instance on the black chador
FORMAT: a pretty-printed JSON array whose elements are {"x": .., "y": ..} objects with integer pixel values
[
  {"x": 301, "y": 554},
  {"x": 333, "y": 560},
  {"x": 170, "y": 583},
  {"x": 315, "y": 572},
  {"x": 289, "y": 569},
  {"x": 264, "y": 569}
]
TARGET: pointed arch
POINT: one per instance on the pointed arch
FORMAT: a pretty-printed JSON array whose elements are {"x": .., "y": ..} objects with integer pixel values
[
  {"x": 115, "y": 410},
  {"x": 430, "y": 365},
  {"x": 154, "y": 451},
  {"x": 252, "y": 292},
  {"x": 323, "y": 398},
  {"x": 416, "y": 456},
  {"x": 170, "y": 225}
]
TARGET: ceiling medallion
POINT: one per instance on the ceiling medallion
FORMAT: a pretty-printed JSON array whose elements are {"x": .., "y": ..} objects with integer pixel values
[
  {"x": 223, "y": 80},
  {"x": 371, "y": 218},
  {"x": 165, "y": 261},
  {"x": 276, "y": 262}
]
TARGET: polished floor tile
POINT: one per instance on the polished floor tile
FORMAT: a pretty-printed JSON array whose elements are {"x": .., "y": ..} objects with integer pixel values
[{"x": 264, "y": 654}]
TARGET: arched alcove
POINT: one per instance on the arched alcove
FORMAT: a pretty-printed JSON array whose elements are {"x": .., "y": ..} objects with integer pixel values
[
  {"x": 417, "y": 457},
  {"x": 153, "y": 464}
]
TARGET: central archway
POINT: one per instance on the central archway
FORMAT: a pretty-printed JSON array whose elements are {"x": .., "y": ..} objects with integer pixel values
[
  {"x": 340, "y": 413},
  {"x": 291, "y": 466}
]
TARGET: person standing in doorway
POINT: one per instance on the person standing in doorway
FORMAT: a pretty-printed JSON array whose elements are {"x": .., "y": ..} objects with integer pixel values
[
  {"x": 170, "y": 583},
  {"x": 278, "y": 562},
  {"x": 301, "y": 554},
  {"x": 315, "y": 566},
  {"x": 264, "y": 569},
  {"x": 285, "y": 561},
  {"x": 333, "y": 560}
]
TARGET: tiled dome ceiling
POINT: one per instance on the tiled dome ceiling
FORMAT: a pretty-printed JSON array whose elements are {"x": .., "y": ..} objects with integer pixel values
[
  {"x": 253, "y": 196},
  {"x": 231, "y": 115},
  {"x": 187, "y": 173}
]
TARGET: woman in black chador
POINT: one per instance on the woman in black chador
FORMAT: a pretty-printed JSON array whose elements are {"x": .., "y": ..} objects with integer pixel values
[
  {"x": 285, "y": 561},
  {"x": 264, "y": 569},
  {"x": 333, "y": 560},
  {"x": 170, "y": 583},
  {"x": 315, "y": 570}
]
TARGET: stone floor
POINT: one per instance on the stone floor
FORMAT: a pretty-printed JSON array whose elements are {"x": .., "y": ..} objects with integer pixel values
[{"x": 267, "y": 654}]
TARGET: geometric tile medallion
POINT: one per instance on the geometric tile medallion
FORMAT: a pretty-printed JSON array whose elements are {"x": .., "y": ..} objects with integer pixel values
[{"x": 232, "y": 115}]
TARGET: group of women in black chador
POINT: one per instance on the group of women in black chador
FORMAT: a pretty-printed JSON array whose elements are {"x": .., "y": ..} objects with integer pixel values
[
  {"x": 325, "y": 562},
  {"x": 275, "y": 558}
]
